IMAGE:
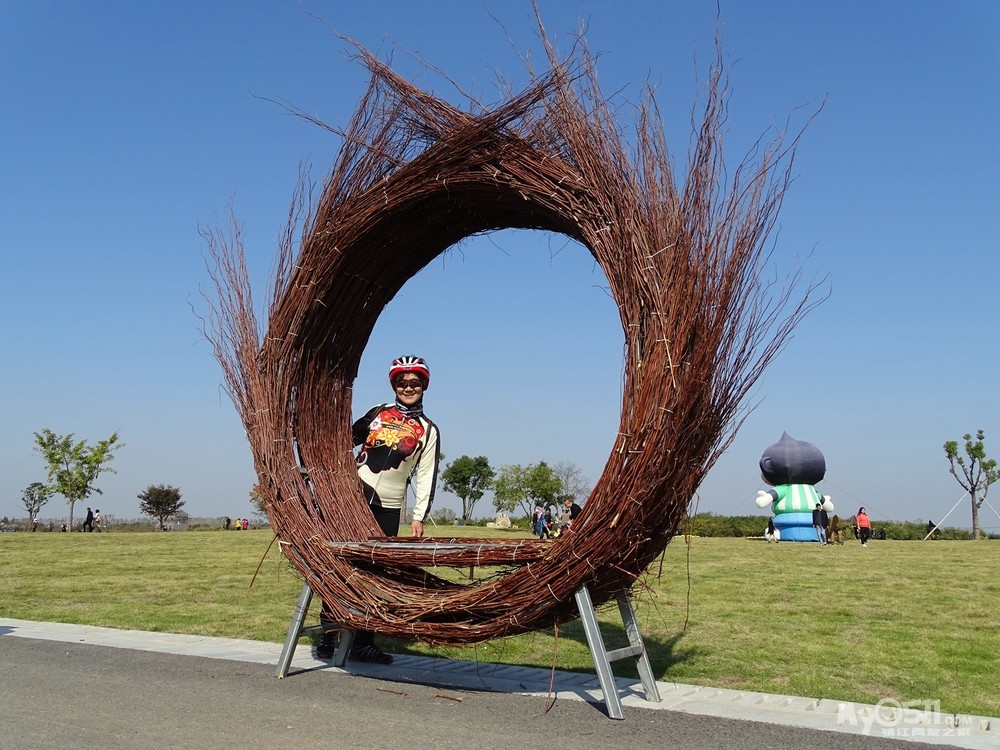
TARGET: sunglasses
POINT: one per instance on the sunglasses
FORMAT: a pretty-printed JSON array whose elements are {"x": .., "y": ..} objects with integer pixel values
[{"x": 402, "y": 385}]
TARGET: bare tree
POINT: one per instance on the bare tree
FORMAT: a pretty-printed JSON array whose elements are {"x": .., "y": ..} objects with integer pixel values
[{"x": 574, "y": 484}]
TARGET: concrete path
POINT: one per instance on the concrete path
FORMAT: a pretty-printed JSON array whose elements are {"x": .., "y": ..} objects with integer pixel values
[{"x": 149, "y": 686}]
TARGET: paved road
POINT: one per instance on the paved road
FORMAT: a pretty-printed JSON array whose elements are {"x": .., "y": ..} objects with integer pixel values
[{"x": 58, "y": 695}]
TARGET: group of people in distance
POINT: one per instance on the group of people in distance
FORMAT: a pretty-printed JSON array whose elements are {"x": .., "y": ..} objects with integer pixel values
[
  {"x": 93, "y": 520},
  {"x": 545, "y": 525},
  {"x": 831, "y": 529},
  {"x": 240, "y": 524}
]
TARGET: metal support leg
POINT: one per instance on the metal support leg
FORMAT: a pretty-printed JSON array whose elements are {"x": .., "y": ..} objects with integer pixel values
[
  {"x": 596, "y": 642},
  {"x": 642, "y": 664},
  {"x": 345, "y": 639},
  {"x": 297, "y": 629},
  {"x": 603, "y": 657},
  {"x": 294, "y": 630}
]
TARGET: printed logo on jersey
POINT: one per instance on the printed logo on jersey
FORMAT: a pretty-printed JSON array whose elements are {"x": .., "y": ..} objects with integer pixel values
[{"x": 393, "y": 438}]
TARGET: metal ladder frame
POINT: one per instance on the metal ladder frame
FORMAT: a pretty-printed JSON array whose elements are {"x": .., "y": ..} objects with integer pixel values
[
  {"x": 297, "y": 629},
  {"x": 588, "y": 617},
  {"x": 602, "y": 657}
]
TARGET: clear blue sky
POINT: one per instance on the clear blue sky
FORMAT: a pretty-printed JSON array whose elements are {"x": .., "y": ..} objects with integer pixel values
[{"x": 125, "y": 127}]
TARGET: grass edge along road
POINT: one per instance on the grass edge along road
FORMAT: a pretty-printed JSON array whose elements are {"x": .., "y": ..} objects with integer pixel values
[{"x": 898, "y": 620}]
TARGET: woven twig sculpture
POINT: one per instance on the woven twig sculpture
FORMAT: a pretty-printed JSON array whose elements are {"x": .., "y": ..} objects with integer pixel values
[{"x": 416, "y": 175}]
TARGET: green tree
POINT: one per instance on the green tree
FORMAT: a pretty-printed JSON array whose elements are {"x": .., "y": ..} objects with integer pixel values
[
  {"x": 35, "y": 495},
  {"x": 976, "y": 475},
  {"x": 469, "y": 478},
  {"x": 74, "y": 466},
  {"x": 510, "y": 489},
  {"x": 526, "y": 486},
  {"x": 161, "y": 501},
  {"x": 544, "y": 487},
  {"x": 445, "y": 516}
]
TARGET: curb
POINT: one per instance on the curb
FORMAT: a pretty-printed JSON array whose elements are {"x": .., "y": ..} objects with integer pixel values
[{"x": 888, "y": 718}]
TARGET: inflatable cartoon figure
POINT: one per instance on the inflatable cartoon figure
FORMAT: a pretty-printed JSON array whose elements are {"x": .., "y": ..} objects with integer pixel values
[{"x": 793, "y": 467}]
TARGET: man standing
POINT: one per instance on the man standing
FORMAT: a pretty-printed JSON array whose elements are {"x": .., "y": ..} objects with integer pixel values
[
  {"x": 88, "y": 525},
  {"x": 820, "y": 522},
  {"x": 570, "y": 511}
]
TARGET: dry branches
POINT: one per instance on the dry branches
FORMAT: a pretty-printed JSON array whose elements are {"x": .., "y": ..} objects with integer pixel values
[{"x": 414, "y": 176}]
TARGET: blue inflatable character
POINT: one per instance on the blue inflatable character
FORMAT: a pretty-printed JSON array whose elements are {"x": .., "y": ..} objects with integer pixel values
[{"x": 792, "y": 467}]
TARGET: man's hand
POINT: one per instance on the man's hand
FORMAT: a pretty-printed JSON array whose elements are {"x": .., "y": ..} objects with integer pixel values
[{"x": 417, "y": 527}]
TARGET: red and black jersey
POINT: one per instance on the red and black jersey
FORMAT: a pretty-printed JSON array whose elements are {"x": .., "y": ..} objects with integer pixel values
[{"x": 396, "y": 447}]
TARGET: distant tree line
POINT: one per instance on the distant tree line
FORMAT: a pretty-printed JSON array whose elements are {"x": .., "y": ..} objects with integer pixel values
[
  {"x": 515, "y": 487},
  {"x": 711, "y": 525},
  {"x": 74, "y": 466}
]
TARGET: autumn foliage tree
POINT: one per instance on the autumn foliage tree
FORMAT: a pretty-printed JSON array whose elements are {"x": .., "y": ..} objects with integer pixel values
[
  {"x": 259, "y": 502},
  {"x": 161, "y": 501}
]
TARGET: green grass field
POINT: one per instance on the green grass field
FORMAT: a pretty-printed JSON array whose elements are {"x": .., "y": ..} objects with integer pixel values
[{"x": 901, "y": 620}]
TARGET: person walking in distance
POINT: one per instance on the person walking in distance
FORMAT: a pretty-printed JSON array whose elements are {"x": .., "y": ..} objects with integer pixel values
[
  {"x": 820, "y": 521},
  {"x": 772, "y": 534},
  {"x": 864, "y": 527}
]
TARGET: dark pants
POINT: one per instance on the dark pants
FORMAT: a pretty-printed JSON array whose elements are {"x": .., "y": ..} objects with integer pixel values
[
  {"x": 866, "y": 534},
  {"x": 388, "y": 521}
]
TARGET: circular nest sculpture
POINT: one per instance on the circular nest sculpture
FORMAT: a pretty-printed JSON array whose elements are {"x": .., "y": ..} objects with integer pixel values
[{"x": 414, "y": 176}]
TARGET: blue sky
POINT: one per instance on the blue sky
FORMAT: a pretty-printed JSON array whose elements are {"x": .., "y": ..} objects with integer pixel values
[{"x": 126, "y": 127}]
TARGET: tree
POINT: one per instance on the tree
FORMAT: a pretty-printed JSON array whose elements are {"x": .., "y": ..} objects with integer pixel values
[
  {"x": 160, "y": 501},
  {"x": 35, "y": 495},
  {"x": 74, "y": 467},
  {"x": 526, "y": 486},
  {"x": 445, "y": 516},
  {"x": 543, "y": 486},
  {"x": 257, "y": 501},
  {"x": 510, "y": 489},
  {"x": 976, "y": 476},
  {"x": 574, "y": 483},
  {"x": 469, "y": 478}
]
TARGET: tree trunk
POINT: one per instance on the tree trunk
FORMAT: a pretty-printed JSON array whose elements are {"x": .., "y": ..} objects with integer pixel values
[
  {"x": 70, "y": 514},
  {"x": 976, "y": 534}
]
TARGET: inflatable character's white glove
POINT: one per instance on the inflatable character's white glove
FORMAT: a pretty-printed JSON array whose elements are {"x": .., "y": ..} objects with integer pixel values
[
  {"x": 827, "y": 503},
  {"x": 764, "y": 499}
]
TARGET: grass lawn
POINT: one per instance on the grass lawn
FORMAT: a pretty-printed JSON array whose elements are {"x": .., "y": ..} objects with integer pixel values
[{"x": 901, "y": 620}]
